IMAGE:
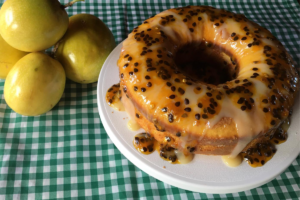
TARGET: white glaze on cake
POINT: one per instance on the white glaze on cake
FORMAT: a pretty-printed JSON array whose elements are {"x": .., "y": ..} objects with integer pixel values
[{"x": 259, "y": 50}]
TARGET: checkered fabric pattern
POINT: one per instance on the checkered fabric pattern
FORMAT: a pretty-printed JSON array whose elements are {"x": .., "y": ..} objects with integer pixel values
[{"x": 66, "y": 153}]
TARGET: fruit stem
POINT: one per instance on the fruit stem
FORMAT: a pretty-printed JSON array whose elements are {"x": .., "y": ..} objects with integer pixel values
[
  {"x": 71, "y": 3},
  {"x": 52, "y": 54}
]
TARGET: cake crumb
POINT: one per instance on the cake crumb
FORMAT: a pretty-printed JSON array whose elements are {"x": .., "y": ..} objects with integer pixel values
[{"x": 164, "y": 167}]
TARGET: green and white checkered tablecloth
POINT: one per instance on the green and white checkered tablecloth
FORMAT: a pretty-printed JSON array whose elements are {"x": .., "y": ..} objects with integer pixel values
[{"x": 66, "y": 153}]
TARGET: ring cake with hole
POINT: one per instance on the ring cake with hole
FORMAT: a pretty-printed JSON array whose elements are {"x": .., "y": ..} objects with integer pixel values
[{"x": 209, "y": 80}]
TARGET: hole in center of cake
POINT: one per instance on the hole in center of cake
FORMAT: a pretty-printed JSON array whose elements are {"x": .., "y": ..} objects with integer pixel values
[{"x": 205, "y": 62}]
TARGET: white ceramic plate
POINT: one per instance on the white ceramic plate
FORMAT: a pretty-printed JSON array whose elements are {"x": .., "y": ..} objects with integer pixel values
[{"x": 205, "y": 174}]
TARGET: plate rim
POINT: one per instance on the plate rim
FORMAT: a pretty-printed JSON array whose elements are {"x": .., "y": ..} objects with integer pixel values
[{"x": 166, "y": 177}]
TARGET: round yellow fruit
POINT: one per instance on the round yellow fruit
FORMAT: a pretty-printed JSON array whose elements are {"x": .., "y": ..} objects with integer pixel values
[
  {"x": 84, "y": 48},
  {"x": 8, "y": 57},
  {"x": 32, "y": 25},
  {"x": 34, "y": 85}
]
